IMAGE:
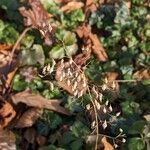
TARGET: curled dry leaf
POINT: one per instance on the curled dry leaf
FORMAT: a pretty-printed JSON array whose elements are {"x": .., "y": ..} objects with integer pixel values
[
  {"x": 72, "y": 5},
  {"x": 37, "y": 17},
  {"x": 38, "y": 101},
  {"x": 28, "y": 118},
  {"x": 7, "y": 71},
  {"x": 142, "y": 75},
  {"x": 7, "y": 140},
  {"x": 7, "y": 113},
  {"x": 97, "y": 48},
  {"x": 92, "y": 42},
  {"x": 107, "y": 145},
  {"x": 71, "y": 78}
]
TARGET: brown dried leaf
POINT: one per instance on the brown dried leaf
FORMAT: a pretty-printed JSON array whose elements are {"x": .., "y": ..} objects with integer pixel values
[
  {"x": 7, "y": 113},
  {"x": 41, "y": 140},
  {"x": 142, "y": 75},
  {"x": 30, "y": 135},
  {"x": 37, "y": 17},
  {"x": 70, "y": 6},
  {"x": 7, "y": 140},
  {"x": 38, "y": 101},
  {"x": 92, "y": 42},
  {"x": 29, "y": 118},
  {"x": 111, "y": 76},
  {"x": 97, "y": 48},
  {"x": 81, "y": 86},
  {"x": 107, "y": 145}
]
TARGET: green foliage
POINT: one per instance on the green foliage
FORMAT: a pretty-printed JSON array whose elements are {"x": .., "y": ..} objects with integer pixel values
[
  {"x": 8, "y": 33},
  {"x": 79, "y": 129},
  {"x": 67, "y": 46},
  {"x": 73, "y": 19},
  {"x": 52, "y": 119},
  {"x": 33, "y": 55},
  {"x": 18, "y": 83},
  {"x": 136, "y": 144}
]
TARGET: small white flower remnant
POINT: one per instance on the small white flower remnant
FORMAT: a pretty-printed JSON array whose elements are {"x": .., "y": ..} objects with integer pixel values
[
  {"x": 106, "y": 103},
  {"x": 93, "y": 124},
  {"x": 120, "y": 130},
  {"x": 104, "y": 87},
  {"x": 123, "y": 140},
  {"x": 97, "y": 104},
  {"x": 118, "y": 114},
  {"x": 104, "y": 125},
  {"x": 104, "y": 110},
  {"x": 100, "y": 97},
  {"x": 88, "y": 106},
  {"x": 110, "y": 108},
  {"x": 115, "y": 145}
]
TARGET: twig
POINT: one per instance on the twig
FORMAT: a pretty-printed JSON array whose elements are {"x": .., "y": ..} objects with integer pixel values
[
  {"x": 17, "y": 43},
  {"x": 96, "y": 119}
]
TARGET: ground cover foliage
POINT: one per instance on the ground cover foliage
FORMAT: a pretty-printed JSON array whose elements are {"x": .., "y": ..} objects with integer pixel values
[{"x": 75, "y": 75}]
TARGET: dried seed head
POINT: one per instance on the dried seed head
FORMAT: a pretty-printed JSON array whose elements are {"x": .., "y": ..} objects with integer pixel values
[
  {"x": 106, "y": 103},
  {"x": 118, "y": 114},
  {"x": 120, "y": 130},
  {"x": 62, "y": 63},
  {"x": 104, "y": 125},
  {"x": 93, "y": 123},
  {"x": 123, "y": 140},
  {"x": 104, "y": 87},
  {"x": 76, "y": 74},
  {"x": 110, "y": 108},
  {"x": 70, "y": 61},
  {"x": 75, "y": 85},
  {"x": 88, "y": 106},
  {"x": 104, "y": 110},
  {"x": 61, "y": 78},
  {"x": 97, "y": 104},
  {"x": 63, "y": 74},
  {"x": 44, "y": 70},
  {"x": 100, "y": 97},
  {"x": 68, "y": 82},
  {"x": 79, "y": 78},
  {"x": 75, "y": 93},
  {"x": 115, "y": 145}
]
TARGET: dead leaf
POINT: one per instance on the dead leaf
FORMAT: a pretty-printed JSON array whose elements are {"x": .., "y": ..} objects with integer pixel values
[
  {"x": 41, "y": 140},
  {"x": 142, "y": 74},
  {"x": 30, "y": 135},
  {"x": 97, "y": 48},
  {"x": 28, "y": 118},
  {"x": 72, "y": 5},
  {"x": 38, "y": 18},
  {"x": 107, "y": 145},
  {"x": 92, "y": 42},
  {"x": 7, "y": 140},
  {"x": 38, "y": 101},
  {"x": 71, "y": 79},
  {"x": 147, "y": 117},
  {"x": 7, "y": 113}
]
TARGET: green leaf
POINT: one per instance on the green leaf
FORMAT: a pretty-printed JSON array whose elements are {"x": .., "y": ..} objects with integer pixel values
[
  {"x": 79, "y": 129},
  {"x": 136, "y": 144},
  {"x": 137, "y": 127},
  {"x": 76, "y": 145},
  {"x": 19, "y": 84},
  {"x": 57, "y": 52},
  {"x": 68, "y": 137},
  {"x": 27, "y": 41},
  {"x": 71, "y": 50},
  {"x": 33, "y": 56}
]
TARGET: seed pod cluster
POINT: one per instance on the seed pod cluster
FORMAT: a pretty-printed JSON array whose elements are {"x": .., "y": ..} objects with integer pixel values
[{"x": 71, "y": 78}]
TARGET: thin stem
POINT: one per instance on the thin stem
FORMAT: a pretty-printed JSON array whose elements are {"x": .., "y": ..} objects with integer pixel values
[{"x": 17, "y": 43}]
